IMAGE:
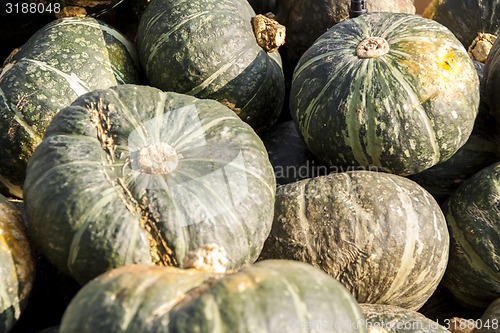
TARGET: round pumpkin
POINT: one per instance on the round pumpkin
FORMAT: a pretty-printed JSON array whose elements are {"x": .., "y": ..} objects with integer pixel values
[
  {"x": 472, "y": 214},
  {"x": 476, "y": 23},
  {"x": 17, "y": 265},
  {"x": 491, "y": 79},
  {"x": 306, "y": 20},
  {"x": 208, "y": 49},
  {"x": 78, "y": 8},
  {"x": 381, "y": 235},
  {"x": 271, "y": 296},
  {"x": 390, "y": 90},
  {"x": 490, "y": 320},
  {"x": 63, "y": 60},
  {"x": 135, "y": 175},
  {"x": 394, "y": 319},
  {"x": 478, "y": 152}
]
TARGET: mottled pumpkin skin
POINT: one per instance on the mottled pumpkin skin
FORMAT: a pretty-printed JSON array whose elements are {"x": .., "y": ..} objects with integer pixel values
[
  {"x": 472, "y": 214},
  {"x": 403, "y": 111},
  {"x": 93, "y": 204},
  {"x": 480, "y": 151},
  {"x": 492, "y": 79},
  {"x": 466, "y": 18},
  {"x": 63, "y": 60},
  {"x": 395, "y": 319},
  {"x": 267, "y": 297},
  {"x": 380, "y": 235},
  {"x": 17, "y": 265},
  {"x": 490, "y": 319},
  {"x": 207, "y": 48},
  {"x": 306, "y": 20}
]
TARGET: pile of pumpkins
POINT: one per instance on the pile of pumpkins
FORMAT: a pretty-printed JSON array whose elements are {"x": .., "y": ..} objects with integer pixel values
[{"x": 252, "y": 166}]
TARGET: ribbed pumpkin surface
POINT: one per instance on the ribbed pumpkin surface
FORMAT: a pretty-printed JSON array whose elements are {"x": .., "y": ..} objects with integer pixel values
[
  {"x": 472, "y": 214},
  {"x": 135, "y": 175},
  {"x": 267, "y": 297},
  {"x": 17, "y": 265},
  {"x": 380, "y": 235},
  {"x": 395, "y": 91},
  {"x": 63, "y": 60},
  {"x": 207, "y": 48}
]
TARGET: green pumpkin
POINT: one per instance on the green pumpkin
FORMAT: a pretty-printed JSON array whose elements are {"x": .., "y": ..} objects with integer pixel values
[
  {"x": 135, "y": 175},
  {"x": 394, "y": 319},
  {"x": 491, "y": 79},
  {"x": 490, "y": 320},
  {"x": 476, "y": 23},
  {"x": 17, "y": 265},
  {"x": 390, "y": 90},
  {"x": 267, "y": 297},
  {"x": 208, "y": 49},
  {"x": 382, "y": 236},
  {"x": 478, "y": 152},
  {"x": 472, "y": 214},
  {"x": 65, "y": 59}
]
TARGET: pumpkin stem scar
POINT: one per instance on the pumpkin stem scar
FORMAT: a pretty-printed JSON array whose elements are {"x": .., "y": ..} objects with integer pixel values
[
  {"x": 161, "y": 254},
  {"x": 209, "y": 258},
  {"x": 481, "y": 46},
  {"x": 372, "y": 47},
  {"x": 159, "y": 158},
  {"x": 270, "y": 35}
]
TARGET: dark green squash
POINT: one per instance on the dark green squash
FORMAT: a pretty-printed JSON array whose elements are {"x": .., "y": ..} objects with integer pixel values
[
  {"x": 267, "y": 297},
  {"x": 65, "y": 59},
  {"x": 490, "y": 320},
  {"x": 390, "y": 90},
  {"x": 381, "y": 235},
  {"x": 208, "y": 49},
  {"x": 472, "y": 214},
  {"x": 394, "y": 319},
  {"x": 17, "y": 265},
  {"x": 306, "y": 20},
  {"x": 492, "y": 79},
  {"x": 476, "y": 23},
  {"x": 480, "y": 151},
  {"x": 135, "y": 175}
]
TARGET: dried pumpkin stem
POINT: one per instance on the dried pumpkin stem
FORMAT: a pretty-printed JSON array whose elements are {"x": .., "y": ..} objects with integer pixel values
[
  {"x": 481, "y": 46},
  {"x": 270, "y": 35},
  {"x": 372, "y": 47}
]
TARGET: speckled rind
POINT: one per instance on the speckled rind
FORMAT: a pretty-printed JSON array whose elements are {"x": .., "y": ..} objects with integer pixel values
[
  {"x": 472, "y": 214},
  {"x": 381, "y": 235},
  {"x": 402, "y": 112},
  {"x": 207, "y": 48},
  {"x": 395, "y": 319},
  {"x": 492, "y": 79},
  {"x": 466, "y": 18},
  {"x": 65, "y": 59},
  {"x": 87, "y": 203},
  {"x": 17, "y": 265},
  {"x": 267, "y": 297}
]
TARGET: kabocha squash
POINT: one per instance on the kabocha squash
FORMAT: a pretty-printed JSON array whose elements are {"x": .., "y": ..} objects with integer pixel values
[
  {"x": 491, "y": 81},
  {"x": 17, "y": 265},
  {"x": 135, "y": 175},
  {"x": 390, "y": 90},
  {"x": 65, "y": 59},
  {"x": 306, "y": 20},
  {"x": 267, "y": 297},
  {"x": 478, "y": 152},
  {"x": 208, "y": 49},
  {"x": 394, "y": 319},
  {"x": 78, "y": 8},
  {"x": 472, "y": 214},
  {"x": 476, "y": 23},
  {"x": 490, "y": 320},
  {"x": 381, "y": 235}
]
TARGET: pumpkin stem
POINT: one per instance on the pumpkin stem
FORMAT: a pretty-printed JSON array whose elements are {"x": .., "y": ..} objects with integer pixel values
[
  {"x": 269, "y": 33},
  {"x": 372, "y": 47},
  {"x": 481, "y": 46},
  {"x": 208, "y": 258},
  {"x": 159, "y": 158},
  {"x": 358, "y": 7}
]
